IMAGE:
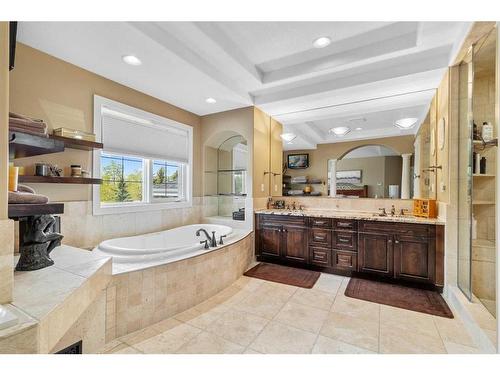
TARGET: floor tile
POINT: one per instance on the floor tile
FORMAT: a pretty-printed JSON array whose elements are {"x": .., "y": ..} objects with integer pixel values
[
  {"x": 359, "y": 332},
  {"x": 266, "y": 301},
  {"x": 454, "y": 348},
  {"x": 246, "y": 283},
  {"x": 238, "y": 327},
  {"x": 301, "y": 316},
  {"x": 329, "y": 283},
  {"x": 169, "y": 341},
  {"x": 395, "y": 341},
  {"x": 277, "y": 338},
  {"x": 407, "y": 320},
  {"x": 356, "y": 308},
  {"x": 325, "y": 345},
  {"x": 199, "y": 319},
  {"x": 314, "y": 298},
  {"x": 453, "y": 330},
  {"x": 208, "y": 343}
]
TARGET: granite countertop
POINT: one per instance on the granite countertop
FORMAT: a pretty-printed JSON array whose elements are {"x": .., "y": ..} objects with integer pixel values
[{"x": 355, "y": 215}]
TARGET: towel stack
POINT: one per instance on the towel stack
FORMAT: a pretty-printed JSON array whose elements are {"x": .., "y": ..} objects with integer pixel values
[
  {"x": 23, "y": 124},
  {"x": 299, "y": 180}
]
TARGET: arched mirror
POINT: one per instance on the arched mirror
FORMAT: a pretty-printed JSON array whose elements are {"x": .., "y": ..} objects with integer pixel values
[{"x": 372, "y": 171}]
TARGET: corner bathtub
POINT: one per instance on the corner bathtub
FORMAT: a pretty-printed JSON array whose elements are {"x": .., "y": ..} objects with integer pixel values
[{"x": 162, "y": 247}]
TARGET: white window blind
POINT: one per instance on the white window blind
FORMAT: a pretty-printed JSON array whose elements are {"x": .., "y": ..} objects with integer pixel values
[{"x": 127, "y": 134}]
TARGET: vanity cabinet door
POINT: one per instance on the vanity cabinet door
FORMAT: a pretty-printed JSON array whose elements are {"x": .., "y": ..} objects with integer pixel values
[
  {"x": 345, "y": 240},
  {"x": 320, "y": 256},
  {"x": 414, "y": 258},
  {"x": 375, "y": 254},
  {"x": 270, "y": 240},
  {"x": 320, "y": 237},
  {"x": 295, "y": 244},
  {"x": 344, "y": 260}
]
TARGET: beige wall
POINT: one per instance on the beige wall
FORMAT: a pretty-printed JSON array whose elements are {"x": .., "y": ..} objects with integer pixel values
[
  {"x": 60, "y": 93},
  {"x": 262, "y": 148},
  {"x": 6, "y": 226},
  {"x": 276, "y": 156},
  {"x": 319, "y": 157},
  {"x": 442, "y": 112}
]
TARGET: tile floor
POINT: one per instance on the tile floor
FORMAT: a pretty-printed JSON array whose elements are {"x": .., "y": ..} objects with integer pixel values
[{"x": 254, "y": 316}]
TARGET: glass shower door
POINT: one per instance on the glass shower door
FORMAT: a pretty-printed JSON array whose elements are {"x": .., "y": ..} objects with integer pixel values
[{"x": 465, "y": 148}]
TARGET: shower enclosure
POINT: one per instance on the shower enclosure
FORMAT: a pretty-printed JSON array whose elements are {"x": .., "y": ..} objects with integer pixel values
[{"x": 477, "y": 151}]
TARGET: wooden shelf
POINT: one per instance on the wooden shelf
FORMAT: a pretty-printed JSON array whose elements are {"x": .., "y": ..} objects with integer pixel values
[
  {"x": 22, "y": 145},
  {"x": 78, "y": 144},
  {"x": 23, "y": 210},
  {"x": 483, "y": 175},
  {"x": 59, "y": 180},
  {"x": 479, "y": 202}
]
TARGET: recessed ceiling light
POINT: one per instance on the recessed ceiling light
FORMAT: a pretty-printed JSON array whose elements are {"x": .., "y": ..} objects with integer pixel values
[
  {"x": 210, "y": 100},
  {"x": 321, "y": 42},
  {"x": 358, "y": 129},
  {"x": 288, "y": 137},
  {"x": 131, "y": 60},
  {"x": 406, "y": 123},
  {"x": 340, "y": 131}
]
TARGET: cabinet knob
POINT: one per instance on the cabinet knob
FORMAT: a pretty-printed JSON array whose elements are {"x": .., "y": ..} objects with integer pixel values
[
  {"x": 396, "y": 241},
  {"x": 389, "y": 241}
]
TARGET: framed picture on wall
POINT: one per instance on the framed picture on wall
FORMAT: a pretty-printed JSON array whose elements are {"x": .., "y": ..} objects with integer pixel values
[
  {"x": 349, "y": 177},
  {"x": 298, "y": 161}
]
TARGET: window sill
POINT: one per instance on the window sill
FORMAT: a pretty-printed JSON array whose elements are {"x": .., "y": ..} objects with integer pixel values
[{"x": 137, "y": 207}]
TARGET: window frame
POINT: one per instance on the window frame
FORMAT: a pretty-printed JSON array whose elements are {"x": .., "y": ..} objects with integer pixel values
[{"x": 148, "y": 203}]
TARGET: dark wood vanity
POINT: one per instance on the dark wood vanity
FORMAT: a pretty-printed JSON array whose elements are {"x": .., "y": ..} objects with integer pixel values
[{"x": 403, "y": 252}]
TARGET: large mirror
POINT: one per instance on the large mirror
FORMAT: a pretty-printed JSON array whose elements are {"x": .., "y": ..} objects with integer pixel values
[{"x": 371, "y": 171}]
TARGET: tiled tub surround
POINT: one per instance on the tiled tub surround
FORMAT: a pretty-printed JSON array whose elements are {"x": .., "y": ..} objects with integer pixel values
[
  {"x": 138, "y": 299},
  {"x": 50, "y": 301}
]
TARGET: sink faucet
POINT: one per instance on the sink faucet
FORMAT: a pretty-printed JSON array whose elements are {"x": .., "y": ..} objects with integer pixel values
[
  {"x": 211, "y": 240},
  {"x": 393, "y": 210}
]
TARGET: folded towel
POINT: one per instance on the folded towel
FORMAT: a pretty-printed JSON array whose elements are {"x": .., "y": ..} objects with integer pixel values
[
  {"x": 28, "y": 124},
  {"x": 23, "y": 129},
  {"x": 17, "y": 115},
  {"x": 17, "y": 197},
  {"x": 25, "y": 124},
  {"x": 25, "y": 189}
]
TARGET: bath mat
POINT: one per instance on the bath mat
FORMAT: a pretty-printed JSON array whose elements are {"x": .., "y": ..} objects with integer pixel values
[
  {"x": 424, "y": 301},
  {"x": 284, "y": 275}
]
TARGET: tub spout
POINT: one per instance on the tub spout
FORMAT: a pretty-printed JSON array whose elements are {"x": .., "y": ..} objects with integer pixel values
[{"x": 211, "y": 240}]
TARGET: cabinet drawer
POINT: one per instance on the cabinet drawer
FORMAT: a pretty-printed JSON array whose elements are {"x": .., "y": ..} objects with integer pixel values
[
  {"x": 320, "y": 256},
  {"x": 345, "y": 241},
  {"x": 394, "y": 228},
  {"x": 345, "y": 224},
  {"x": 322, "y": 237},
  {"x": 319, "y": 222},
  {"x": 283, "y": 219},
  {"x": 345, "y": 260}
]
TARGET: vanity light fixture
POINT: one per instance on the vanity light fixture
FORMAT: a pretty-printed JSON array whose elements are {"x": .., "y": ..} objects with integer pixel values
[
  {"x": 288, "y": 137},
  {"x": 211, "y": 100},
  {"x": 406, "y": 123},
  {"x": 131, "y": 60},
  {"x": 340, "y": 131},
  {"x": 322, "y": 42}
]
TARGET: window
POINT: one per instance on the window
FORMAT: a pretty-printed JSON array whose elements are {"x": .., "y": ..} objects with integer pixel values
[
  {"x": 154, "y": 171},
  {"x": 122, "y": 179}
]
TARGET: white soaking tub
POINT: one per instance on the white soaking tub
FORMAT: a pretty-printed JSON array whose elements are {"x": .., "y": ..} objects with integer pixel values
[{"x": 162, "y": 247}]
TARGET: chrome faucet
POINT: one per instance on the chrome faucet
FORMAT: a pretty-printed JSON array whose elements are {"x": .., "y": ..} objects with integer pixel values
[
  {"x": 393, "y": 210},
  {"x": 211, "y": 240}
]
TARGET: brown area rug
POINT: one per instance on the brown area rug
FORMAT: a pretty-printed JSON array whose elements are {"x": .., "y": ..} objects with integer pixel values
[
  {"x": 284, "y": 275},
  {"x": 404, "y": 297}
]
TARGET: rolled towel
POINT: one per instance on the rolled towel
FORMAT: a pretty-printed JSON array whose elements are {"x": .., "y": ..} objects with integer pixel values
[
  {"x": 16, "y": 197},
  {"x": 25, "y": 189}
]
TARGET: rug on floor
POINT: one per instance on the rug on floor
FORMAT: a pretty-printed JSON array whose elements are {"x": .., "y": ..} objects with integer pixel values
[
  {"x": 284, "y": 275},
  {"x": 424, "y": 301}
]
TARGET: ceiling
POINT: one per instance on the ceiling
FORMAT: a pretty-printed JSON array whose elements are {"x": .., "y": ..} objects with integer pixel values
[{"x": 371, "y": 74}]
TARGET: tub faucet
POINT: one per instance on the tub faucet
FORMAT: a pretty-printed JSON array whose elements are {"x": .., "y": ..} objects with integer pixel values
[{"x": 211, "y": 240}]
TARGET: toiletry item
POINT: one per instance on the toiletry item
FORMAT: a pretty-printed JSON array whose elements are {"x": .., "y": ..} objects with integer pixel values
[
  {"x": 75, "y": 134},
  {"x": 475, "y": 132},
  {"x": 13, "y": 175},
  {"x": 482, "y": 165},
  {"x": 85, "y": 174},
  {"x": 307, "y": 189},
  {"x": 487, "y": 131},
  {"x": 474, "y": 171},
  {"x": 478, "y": 162},
  {"x": 76, "y": 170},
  {"x": 474, "y": 228},
  {"x": 41, "y": 169},
  {"x": 21, "y": 171}
]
